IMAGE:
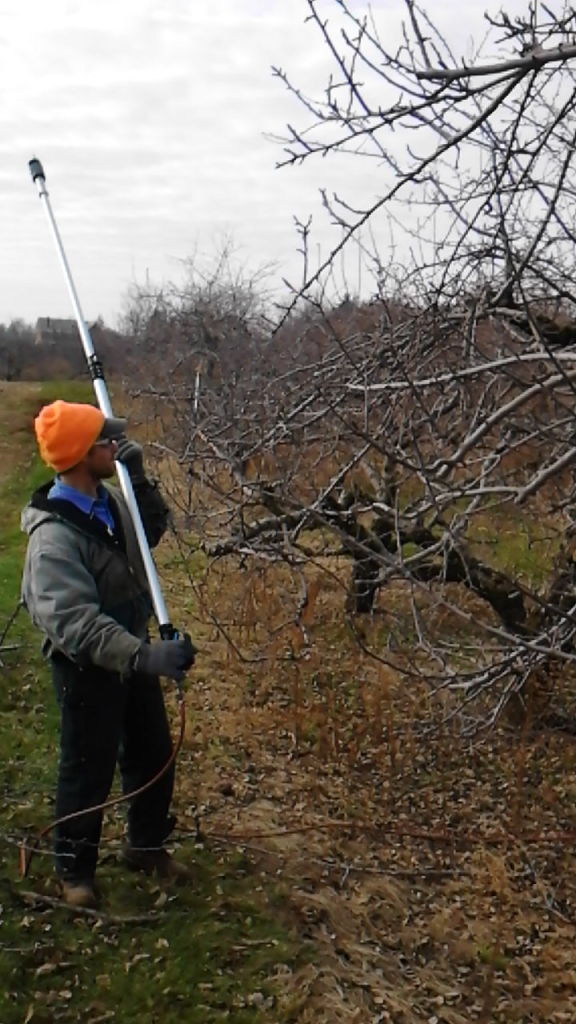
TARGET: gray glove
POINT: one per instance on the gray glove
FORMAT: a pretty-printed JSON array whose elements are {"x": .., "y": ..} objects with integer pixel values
[
  {"x": 170, "y": 658},
  {"x": 131, "y": 454}
]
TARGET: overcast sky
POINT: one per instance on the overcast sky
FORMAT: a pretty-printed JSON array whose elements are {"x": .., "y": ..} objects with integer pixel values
[{"x": 150, "y": 117}]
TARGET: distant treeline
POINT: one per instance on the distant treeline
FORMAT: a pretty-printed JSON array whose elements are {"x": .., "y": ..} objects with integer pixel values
[{"x": 28, "y": 353}]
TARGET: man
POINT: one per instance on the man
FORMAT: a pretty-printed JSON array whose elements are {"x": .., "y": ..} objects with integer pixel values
[{"x": 85, "y": 588}]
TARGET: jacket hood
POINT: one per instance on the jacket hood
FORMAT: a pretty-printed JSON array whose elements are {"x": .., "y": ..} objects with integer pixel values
[{"x": 37, "y": 510}]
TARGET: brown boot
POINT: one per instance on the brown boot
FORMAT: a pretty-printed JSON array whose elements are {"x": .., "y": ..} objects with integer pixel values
[
  {"x": 79, "y": 894},
  {"x": 157, "y": 862}
]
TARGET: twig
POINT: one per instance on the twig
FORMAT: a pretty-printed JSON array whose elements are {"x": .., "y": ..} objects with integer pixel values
[{"x": 39, "y": 898}]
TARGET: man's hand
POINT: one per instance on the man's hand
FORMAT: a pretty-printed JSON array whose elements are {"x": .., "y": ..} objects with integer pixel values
[
  {"x": 171, "y": 658},
  {"x": 131, "y": 454}
]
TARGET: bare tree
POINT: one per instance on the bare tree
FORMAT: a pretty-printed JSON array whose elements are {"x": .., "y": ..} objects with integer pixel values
[
  {"x": 478, "y": 157},
  {"x": 426, "y": 435}
]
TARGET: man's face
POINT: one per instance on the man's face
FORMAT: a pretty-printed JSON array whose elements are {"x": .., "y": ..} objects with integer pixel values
[{"x": 99, "y": 459}]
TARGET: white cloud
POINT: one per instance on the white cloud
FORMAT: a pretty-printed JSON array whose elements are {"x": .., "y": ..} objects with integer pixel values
[{"x": 149, "y": 118}]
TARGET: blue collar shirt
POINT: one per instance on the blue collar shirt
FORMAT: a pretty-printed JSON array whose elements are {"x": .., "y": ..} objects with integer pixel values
[{"x": 97, "y": 508}]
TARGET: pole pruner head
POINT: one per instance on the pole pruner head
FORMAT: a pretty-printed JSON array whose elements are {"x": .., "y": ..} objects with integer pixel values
[{"x": 36, "y": 169}]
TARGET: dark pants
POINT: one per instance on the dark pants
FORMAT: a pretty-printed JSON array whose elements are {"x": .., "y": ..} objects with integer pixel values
[{"x": 105, "y": 721}]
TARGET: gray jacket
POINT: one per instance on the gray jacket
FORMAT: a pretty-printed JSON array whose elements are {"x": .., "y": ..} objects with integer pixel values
[{"x": 84, "y": 589}]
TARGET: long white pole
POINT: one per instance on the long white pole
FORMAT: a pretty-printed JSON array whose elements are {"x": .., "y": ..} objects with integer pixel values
[{"x": 97, "y": 375}]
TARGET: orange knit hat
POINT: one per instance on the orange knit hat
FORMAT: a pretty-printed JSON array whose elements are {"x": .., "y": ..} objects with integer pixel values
[{"x": 65, "y": 431}]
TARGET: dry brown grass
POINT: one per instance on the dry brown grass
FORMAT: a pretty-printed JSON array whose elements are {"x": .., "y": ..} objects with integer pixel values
[{"x": 417, "y": 866}]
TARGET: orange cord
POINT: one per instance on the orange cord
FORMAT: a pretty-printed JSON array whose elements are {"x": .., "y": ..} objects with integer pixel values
[{"x": 27, "y": 852}]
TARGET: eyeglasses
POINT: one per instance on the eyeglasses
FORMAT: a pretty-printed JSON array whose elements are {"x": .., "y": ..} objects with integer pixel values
[{"x": 105, "y": 443}]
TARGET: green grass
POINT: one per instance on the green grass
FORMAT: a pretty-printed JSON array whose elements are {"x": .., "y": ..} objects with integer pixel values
[
  {"x": 202, "y": 960},
  {"x": 204, "y": 953},
  {"x": 518, "y": 545}
]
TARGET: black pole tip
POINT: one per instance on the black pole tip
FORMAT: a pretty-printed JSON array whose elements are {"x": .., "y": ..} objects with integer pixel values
[{"x": 36, "y": 169}]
